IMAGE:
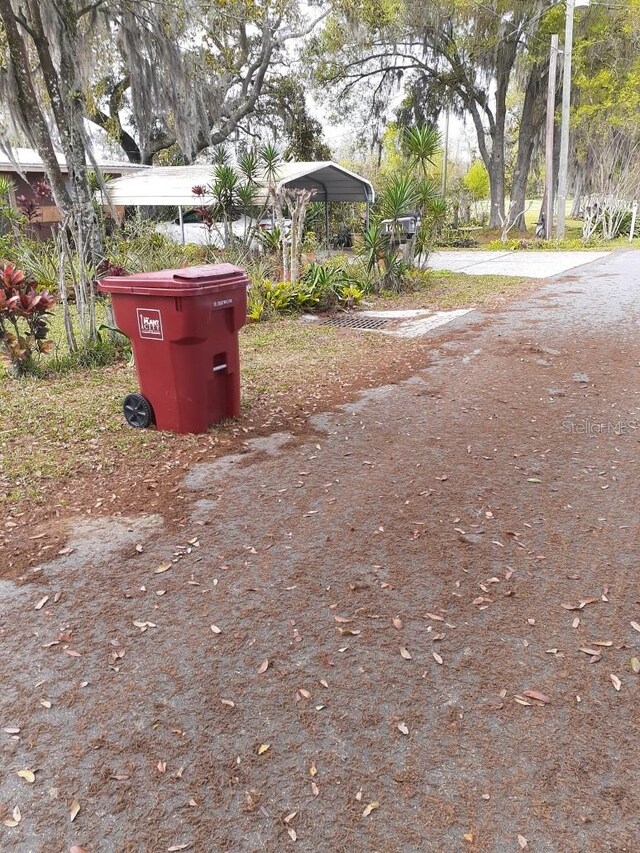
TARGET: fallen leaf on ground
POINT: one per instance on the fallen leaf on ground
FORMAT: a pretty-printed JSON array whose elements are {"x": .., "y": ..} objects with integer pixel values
[
  {"x": 437, "y": 658},
  {"x": 635, "y": 665},
  {"x": 162, "y": 766},
  {"x": 29, "y": 775},
  {"x": 75, "y": 808},
  {"x": 73, "y": 653},
  {"x": 264, "y": 666},
  {"x": 635, "y": 626},
  {"x": 45, "y": 703},
  {"x": 216, "y": 630},
  {"x": 575, "y": 622},
  {"x": 521, "y": 700},
  {"x": 534, "y": 694},
  {"x": 314, "y": 789},
  {"x": 144, "y": 625},
  {"x": 42, "y": 602},
  {"x": 582, "y": 604},
  {"x": 263, "y": 748},
  {"x": 615, "y": 681},
  {"x": 15, "y": 818},
  {"x": 292, "y": 833},
  {"x": 163, "y": 567},
  {"x": 313, "y": 770},
  {"x": 370, "y": 808},
  {"x": 435, "y": 617},
  {"x": 290, "y": 817},
  {"x": 397, "y": 623},
  {"x": 591, "y": 652},
  {"x": 343, "y": 619},
  {"x": 175, "y": 847},
  {"x": 349, "y": 632},
  {"x": 12, "y": 730},
  {"x": 76, "y": 849},
  {"x": 522, "y": 841},
  {"x": 405, "y": 654},
  {"x": 404, "y": 728}
]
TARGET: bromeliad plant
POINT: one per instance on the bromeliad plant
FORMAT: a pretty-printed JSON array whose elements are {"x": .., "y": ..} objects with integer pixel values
[{"x": 24, "y": 324}]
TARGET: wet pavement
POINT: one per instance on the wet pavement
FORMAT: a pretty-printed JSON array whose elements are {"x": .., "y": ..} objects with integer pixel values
[{"x": 364, "y": 637}]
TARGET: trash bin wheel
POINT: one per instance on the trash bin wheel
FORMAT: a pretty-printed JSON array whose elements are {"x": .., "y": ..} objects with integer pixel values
[{"x": 137, "y": 411}]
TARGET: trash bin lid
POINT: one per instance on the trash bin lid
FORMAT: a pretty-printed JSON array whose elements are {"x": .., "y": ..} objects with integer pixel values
[{"x": 189, "y": 281}]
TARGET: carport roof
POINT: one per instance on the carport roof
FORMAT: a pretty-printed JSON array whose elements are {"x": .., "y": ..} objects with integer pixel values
[{"x": 165, "y": 186}]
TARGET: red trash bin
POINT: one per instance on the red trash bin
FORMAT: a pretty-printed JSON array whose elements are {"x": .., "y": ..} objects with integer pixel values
[{"x": 183, "y": 325}]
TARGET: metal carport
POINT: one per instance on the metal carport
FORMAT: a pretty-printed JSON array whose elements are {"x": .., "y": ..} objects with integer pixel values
[{"x": 172, "y": 186}]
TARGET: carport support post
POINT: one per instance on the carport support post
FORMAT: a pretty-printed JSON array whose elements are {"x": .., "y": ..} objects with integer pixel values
[
  {"x": 367, "y": 214},
  {"x": 326, "y": 221},
  {"x": 181, "y": 220}
]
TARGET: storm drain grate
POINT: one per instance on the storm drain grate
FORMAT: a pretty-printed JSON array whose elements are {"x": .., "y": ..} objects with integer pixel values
[{"x": 357, "y": 321}]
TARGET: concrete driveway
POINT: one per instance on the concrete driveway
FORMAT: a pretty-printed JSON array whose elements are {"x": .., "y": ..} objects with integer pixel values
[{"x": 524, "y": 263}]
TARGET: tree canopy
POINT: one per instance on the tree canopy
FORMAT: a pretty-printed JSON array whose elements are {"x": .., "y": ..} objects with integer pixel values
[{"x": 152, "y": 74}]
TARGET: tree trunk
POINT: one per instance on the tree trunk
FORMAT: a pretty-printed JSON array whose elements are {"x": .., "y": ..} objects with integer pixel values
[
  {"x": 68, "y": 112},
  {"x": 496, "y": 184},
  {"x": 530, "y": 122},
  {"x": 576, "y": 210},
  {"x": 28, "y": 112},
  {"x": 505, "y": 58}
]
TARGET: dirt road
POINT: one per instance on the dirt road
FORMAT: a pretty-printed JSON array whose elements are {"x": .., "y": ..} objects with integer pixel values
[{"x": 411, "y": 626}]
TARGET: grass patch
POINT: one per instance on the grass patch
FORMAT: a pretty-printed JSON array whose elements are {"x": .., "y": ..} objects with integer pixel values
[
  {"x": 442, "y": 290},
  {"x": 71, "y": 425},
  {"x": 65, "y": 430}
]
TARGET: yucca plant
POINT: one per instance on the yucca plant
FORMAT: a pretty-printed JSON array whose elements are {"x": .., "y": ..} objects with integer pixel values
[
  {"x": 249, "y": 166},
  {"x": 376, "y": 245},
  {"x": 399, "y": 197},
  {"x": 421, "y": 145}
]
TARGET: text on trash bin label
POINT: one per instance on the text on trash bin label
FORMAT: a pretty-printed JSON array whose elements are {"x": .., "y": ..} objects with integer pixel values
[
  {"x": 220, "y": 303},
  {"x": 150, "y": 324}
]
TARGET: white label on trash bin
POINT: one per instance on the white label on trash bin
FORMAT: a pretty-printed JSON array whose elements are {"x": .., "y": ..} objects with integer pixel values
[
  {"x": 220, "y": 303},
  {"x": 150, "y": 324}
]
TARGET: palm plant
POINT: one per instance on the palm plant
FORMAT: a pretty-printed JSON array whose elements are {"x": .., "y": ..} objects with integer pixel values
[
  {"x": 421, "y": 145},
  {"x": 399, "y": 197},
  {"x": 375, "y": 247}
]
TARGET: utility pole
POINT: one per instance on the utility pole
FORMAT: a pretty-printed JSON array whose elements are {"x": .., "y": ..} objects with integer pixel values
[
  {"x": 566, "y": 107},
  {"x": 551, "y": 110}
]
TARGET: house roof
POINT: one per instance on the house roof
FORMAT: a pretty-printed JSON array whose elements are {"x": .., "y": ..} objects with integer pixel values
[
  {"x": 168, "y": 186},
  {"x": 28, "y": 160}
]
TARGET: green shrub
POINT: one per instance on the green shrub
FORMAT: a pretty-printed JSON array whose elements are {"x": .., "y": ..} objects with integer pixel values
[{"x": 322, "y": 287}]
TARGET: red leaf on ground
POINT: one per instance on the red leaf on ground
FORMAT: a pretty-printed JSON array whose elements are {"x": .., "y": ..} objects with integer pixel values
[{"x": 534, "y": 694}]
